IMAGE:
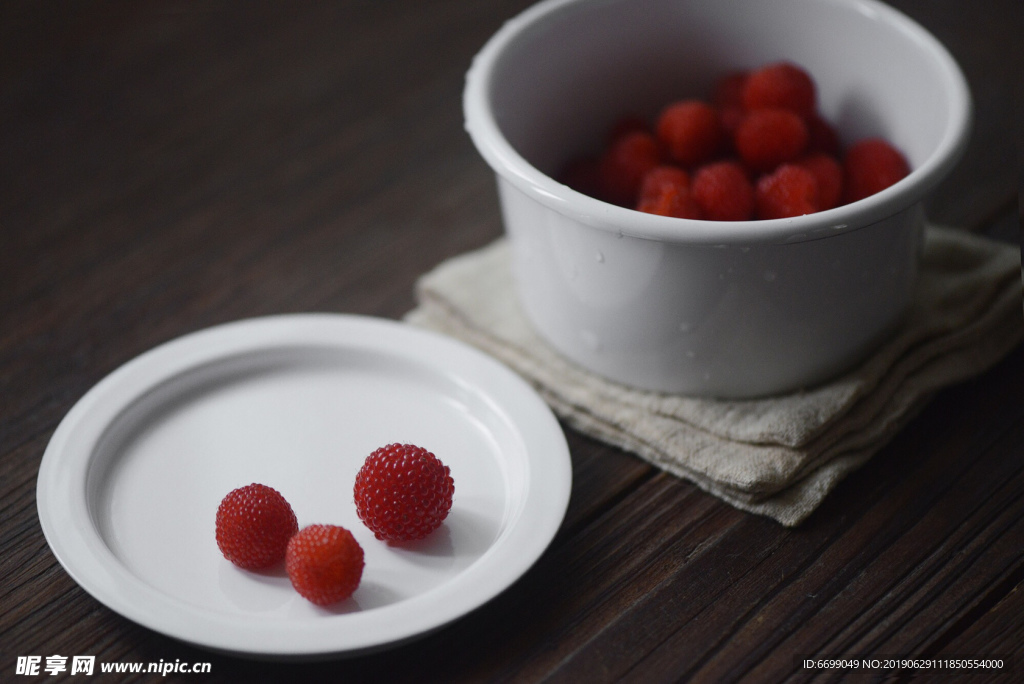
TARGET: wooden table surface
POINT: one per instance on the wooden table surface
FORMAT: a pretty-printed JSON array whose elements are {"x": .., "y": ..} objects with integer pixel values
[{"x": 169, "y": 166}]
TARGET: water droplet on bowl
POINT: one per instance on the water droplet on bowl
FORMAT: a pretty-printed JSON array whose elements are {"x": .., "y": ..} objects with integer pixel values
[
  {"x": 685, "y": 326},
  {"x": 599, "y": 257},
  {"x": 769, "y": 276},
  {"x": 690, "y": 354}
]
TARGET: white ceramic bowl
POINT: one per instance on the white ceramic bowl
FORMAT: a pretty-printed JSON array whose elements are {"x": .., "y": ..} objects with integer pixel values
[{"x": 724, "y": 309}]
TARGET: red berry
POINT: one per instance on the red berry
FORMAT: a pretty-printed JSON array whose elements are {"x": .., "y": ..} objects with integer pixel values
[
  {"x": 790, "y": 191},
  {"x": 324, "y": 563},
  {"x": 829, "y": 175},
  {"x": 673, "y": 202},
  {"x": 769, "y": 137},
  {"x": 872, "y": 165},
  {"x": 661, "y": 177},
  {"x": 624, "y": 164},
  {"x": 403, "y": 492},
  {"x": 665, "y": 191},
  {"x": 690, "y": 131},
  {"x": 780, "y": 86},
  {"x": 254, "y": 524},
  {"x": 723, "y": 192}
]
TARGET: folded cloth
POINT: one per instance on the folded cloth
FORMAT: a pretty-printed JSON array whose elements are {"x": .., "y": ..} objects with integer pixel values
[{"x": 778, "y": 456}]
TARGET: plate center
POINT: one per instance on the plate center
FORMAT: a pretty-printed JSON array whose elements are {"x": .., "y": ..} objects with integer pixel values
[{"x": 301, "y": 421}]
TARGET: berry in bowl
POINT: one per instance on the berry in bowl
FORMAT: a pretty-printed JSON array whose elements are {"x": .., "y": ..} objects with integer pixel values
[
  {"x": 687, "y": 285},
  {"x": 757, "y": 149}
]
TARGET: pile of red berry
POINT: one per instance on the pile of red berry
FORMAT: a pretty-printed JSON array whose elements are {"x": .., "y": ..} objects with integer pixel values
[
  {"x": 758, "y": 149},
  {"x": 402, "y": 493}
]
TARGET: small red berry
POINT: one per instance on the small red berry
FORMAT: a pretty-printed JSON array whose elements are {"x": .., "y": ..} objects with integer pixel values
[
  {"x": 871, "y": 166},
  {"x": 829, "y": 175},
  {"x": 690, "y": 131},
  {"x": 661, "y": 177},
  {"x": 790, "y": 191},
  {"x": 673, "y": 202},
  {"x": 723, "y": 192},
  {"x": 780, "y": 86},
  {"x": 769, "y": 137},
  {"x": 665, "y": 191},
  {"x": 324, "y": 563},
  {"x": 624, "y": 164},
  {"x": 403, "y": 492},
  {"x": 254, "y": 524}
]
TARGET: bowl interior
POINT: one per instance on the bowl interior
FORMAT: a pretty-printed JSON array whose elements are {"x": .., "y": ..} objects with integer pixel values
[{"x": 565, "y": 71}]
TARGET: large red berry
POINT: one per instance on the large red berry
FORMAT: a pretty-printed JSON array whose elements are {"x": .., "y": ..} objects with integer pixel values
[
  {"x": 254, "y": 524},
  {"x": 871, "y": 166},
  {"x": 723, "y": 192},
  {"x": 690, "y": 131},
  {"x": 781, "y": 85},
  {"x": 769, "y": 137},
  {"x": 403, "y": 492},
  {"x": 790, "y": 191},
  {"x": 324, "y": 563}
]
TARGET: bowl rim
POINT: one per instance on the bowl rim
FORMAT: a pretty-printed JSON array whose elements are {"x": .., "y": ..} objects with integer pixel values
[{"x": 508, "y": 164}]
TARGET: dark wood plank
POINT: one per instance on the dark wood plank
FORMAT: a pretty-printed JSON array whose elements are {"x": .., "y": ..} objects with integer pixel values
[
  {"x": 983, "y": 43},
  {"x": 999, "y": 630},
  {"x": 807, "y": 591}
]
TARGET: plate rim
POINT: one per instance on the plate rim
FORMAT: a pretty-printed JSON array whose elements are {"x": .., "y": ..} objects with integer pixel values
[{"x": 73, "y": 538}]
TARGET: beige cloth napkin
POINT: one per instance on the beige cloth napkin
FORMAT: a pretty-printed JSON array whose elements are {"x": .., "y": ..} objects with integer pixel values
[{"x": 778, "y": 456}]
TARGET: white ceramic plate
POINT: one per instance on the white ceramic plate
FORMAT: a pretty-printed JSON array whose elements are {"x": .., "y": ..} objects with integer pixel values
[{"x": 130, "y": 483}]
